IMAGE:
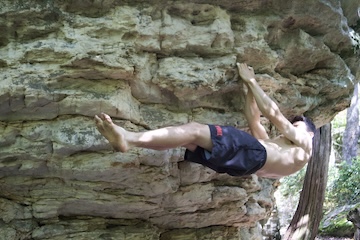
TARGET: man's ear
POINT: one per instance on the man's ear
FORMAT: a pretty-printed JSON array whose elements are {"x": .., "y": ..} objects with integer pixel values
[{"x": 311, "y": 134}]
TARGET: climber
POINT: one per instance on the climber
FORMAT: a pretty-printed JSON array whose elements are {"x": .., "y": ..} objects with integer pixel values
[{"x": 226, "y": 149}]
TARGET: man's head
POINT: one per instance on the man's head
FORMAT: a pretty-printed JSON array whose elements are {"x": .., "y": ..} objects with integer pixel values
[{"x": 310, "y": 126}]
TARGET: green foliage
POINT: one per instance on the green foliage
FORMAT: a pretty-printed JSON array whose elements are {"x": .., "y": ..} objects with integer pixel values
[
  {"x": 338, "y": 125},
  {"x": 339, "y": 121},
  {"x": 292, "y": 185},
  {"x": 346, "y": 188}
]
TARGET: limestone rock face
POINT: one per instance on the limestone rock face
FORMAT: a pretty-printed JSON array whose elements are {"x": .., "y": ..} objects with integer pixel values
[{"x": 150, "y": 64}]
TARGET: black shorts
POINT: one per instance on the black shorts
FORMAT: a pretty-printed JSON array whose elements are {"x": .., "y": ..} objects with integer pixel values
[{"x": 234, "y": 152}]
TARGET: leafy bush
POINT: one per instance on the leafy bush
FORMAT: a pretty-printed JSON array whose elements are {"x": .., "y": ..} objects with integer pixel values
[
  {"x": 292, "y": 185},
  {"x": 346, "y": 188},
  {"x": 338, "y": 125}
]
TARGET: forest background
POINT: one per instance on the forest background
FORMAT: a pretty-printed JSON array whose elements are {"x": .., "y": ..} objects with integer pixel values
[{"x": 342, "y": 193}]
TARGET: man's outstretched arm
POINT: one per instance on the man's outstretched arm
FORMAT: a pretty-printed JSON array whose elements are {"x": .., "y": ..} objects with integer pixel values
[
  {"x": 270, "y": 109},
  {"x": 252, "y": 114}
]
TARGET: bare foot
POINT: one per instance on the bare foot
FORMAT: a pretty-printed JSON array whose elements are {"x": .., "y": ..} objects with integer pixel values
[{"x": 113, "y": 133}]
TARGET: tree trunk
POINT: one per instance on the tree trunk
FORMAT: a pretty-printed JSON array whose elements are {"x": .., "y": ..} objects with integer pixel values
[
  {"x": 307, "y": 217},
  {"x": 351, "y": 133}
]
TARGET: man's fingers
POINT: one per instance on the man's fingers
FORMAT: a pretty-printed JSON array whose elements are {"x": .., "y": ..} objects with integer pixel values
[{"x": 244, "y": 66}]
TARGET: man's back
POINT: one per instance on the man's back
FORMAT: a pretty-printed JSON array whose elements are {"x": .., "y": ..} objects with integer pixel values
[{"x": 283, "y": 158}]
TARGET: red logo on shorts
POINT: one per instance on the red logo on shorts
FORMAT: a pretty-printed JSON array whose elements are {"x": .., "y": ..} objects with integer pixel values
[{"x": 219, "y": 131}]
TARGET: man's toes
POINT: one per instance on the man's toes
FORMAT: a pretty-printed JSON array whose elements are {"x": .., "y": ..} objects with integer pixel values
[
  {"x": 107, "y": 122},
  {"x": 97, "y": 120},
  {"x": 106, "y": 118},
  {"x": 99, "y": 124},
  {"x": 108, "y": 126}
]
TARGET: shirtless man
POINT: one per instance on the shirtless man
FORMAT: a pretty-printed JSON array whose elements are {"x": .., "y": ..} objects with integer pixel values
[{"x": 224, "y": 148}]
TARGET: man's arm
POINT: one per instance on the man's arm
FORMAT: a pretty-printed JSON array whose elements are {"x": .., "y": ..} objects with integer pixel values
[
  {"x": 271, "y": 111},
  {"x": 252, "y": 114}
]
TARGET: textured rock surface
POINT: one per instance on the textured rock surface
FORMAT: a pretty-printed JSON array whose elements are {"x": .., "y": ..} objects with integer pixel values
[{"x": 150, "y": 64}]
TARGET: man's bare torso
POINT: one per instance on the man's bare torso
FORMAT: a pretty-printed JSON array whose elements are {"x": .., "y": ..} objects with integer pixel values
[{"x": 283, "y": 158}]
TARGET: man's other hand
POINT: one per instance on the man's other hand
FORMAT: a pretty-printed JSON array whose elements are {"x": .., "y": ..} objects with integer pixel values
[{"x": 245, "y": 72}]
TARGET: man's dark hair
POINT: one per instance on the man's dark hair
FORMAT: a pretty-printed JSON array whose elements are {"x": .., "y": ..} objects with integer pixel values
[{"x": 309, "y": 124}]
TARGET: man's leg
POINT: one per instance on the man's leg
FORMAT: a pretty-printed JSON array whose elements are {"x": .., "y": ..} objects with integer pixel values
[{"x": 188, "y": 135}]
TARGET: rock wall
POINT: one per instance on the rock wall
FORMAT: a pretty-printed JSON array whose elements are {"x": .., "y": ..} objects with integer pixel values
[{"x": 151, "y": 64}]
